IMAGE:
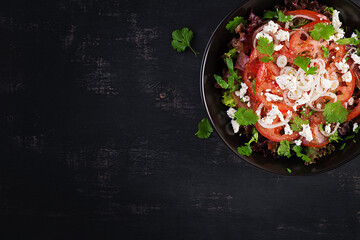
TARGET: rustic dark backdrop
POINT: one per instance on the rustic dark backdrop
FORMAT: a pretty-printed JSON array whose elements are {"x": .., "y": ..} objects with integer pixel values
[{"x": 97, "y": 122}]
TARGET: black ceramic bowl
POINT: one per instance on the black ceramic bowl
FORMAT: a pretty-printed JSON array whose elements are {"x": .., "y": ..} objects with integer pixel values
[{"x": 213, "y": 64}]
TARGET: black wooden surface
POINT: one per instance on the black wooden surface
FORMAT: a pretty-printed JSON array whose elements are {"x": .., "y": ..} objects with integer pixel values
[{"x": 97, "y": 122}]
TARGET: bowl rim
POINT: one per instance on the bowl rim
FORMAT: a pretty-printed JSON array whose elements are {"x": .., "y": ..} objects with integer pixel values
[{"x": 203, "y": 98}]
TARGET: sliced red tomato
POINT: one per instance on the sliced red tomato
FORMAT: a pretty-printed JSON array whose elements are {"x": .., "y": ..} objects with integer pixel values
[
  {"x": 353, "y": 113},
  {"x": 346, "y": 90},
  {"x": 319, "y": 140},
  {"x": 301, "y": 42},
  {"x": 311, "y": 15},
  {"x": 275, "y": 134},
  {"x": 265, "y": 83}
]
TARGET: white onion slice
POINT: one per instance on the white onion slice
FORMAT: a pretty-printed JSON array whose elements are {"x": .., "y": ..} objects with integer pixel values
[{"x": 331, "y": 133}]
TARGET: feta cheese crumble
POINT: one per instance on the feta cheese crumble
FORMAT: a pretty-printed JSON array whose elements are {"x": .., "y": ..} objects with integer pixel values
[
  {"x": 355, "y": 126},
  {"x": 351, "y": 101},
  {"x": 288, "y": 130},
  {"x": 235, "y": 125},
  {"x": 306, "y": 132},
  {"x": 347, "y": 77},
  {"x": 271, "y": 27},
  {"x": 282, "y": 35},
  {"x": 278, "y": 47},
  {"x": 342, "y": 66},
  {"x": 231, "y": 113},
  {"x": 298, "y": 142},
  {"x": 272, "y": 114},
  {"x": 264, "y": 34},
  {"x": 328, "y": 128}
]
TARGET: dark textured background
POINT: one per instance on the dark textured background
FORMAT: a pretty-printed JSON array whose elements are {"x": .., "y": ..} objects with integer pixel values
[{"x": 97, "y": 122}]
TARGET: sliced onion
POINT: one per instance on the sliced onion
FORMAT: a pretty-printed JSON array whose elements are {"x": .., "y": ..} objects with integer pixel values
[{"x": 304, "y": 16}]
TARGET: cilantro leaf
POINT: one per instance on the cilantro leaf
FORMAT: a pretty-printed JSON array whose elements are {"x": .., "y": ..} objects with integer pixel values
[
  {"x": 284, "y": 149},
  {"x": 279, "y": 15},
  {"x": 322, "y": 30},
  {"x": 326, "y": 51},
  {"x": 335, "y": 137},
  {"x": 205, "y": 129},
  {"x": 246, "y": 116},
  {"x": 231, "y": 53},
  {"x": 330, "y": 10},
  {"x": 282, "y": 17},
  {"x": 345, "y": 41},
  {"x": 181, "y": 40},
  {"x": 233, "y": 75},
  {"x": 289, "y": 170},
  {"x": 234, "y": 23},
  {"x": 335, "y": 112},
  {"x": 266, "y": 47},
  {"x": 297, "y": 149},
  {"x": 270, "y": 15},
  {"x": 342, "y": 146},
  {"x": 245, "y": 150},
  {"x": 221, "y": 82},
  {"x": 297, "y": 123},
  {"x": 303, "y": 63},
  {"x": 228, "y": 99}
]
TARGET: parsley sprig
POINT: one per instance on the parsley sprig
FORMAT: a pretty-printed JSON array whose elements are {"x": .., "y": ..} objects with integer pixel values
[
  {"x": 335, "y": 112},
  {"x": 245, "y": 116},
  {"x": 181, "y": 40},
  {"x": 246, "y": 149},
  {"x": 266, "y": 47},
  {"x": 297, "y": 149},
  {"x": 284, "y": 149},
  {"x": 279, "y": 15},
  {"x": 326, "y": 51},
  {"x": 303, "y": 63},
  {"x": 297, "y": 123},
  {"x": 205, "y": 129},
  {"x": 234, "y": 23},
  {"x": 322, "y": 30}
]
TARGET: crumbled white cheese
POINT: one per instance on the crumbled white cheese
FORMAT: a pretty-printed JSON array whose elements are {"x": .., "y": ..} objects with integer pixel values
[
  {"x": 318, "y": 106},
  {"x": 356, "y": 58},
  {"x": 298, "y": 142},
  {"x": 242, "y": 90},
  {"x": 354, "y": 35},
  {"x": 281, "y": 61},
  {"x": 246, "y": 98},
  {"x": 282, "y": 35},
  {"x": 339, "y": 32},
  {"x": 355, "y": 126},
  {"x": 336, "y": 20},
  {"x": 264, "y": 34},
  {"x": 342, "y": 66},
  {"x": 351, "y": 101},
  {"x": 268, "y": 90},
  {"x": 272, "y": 114},
  {"x": 271, "y": 27},
  {"x": 249, "y": 104},
  {"x": 286, "y": 81},
  {"x": 337, "y": 48},
  {"x": 288, "y": 130},
  {"x": 333, "y": 57},
  {"x": 278, "y": 47},
  {"x": 328, "y": 128},
  {"x": 347, "y": 77},
  {"x": 272, "y": 97},
  {"x": 235, "y": 125},
  {"x": 231, "y": 112},
  {"x": 306, "y": 132}
]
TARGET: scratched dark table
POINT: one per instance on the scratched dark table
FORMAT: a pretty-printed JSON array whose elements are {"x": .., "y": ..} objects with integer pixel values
[{"x": 98, "y": 115}]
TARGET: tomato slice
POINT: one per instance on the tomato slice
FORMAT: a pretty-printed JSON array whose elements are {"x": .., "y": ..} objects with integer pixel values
[
  {"x": 301, "y": 42},
  {"x": 319, "y": 140},
  {"x": 275, "y": 134},
  {"x": 308, "y": 14},
  {"x": 265, "y": 83},
  {"x": 353, "y": 113}
]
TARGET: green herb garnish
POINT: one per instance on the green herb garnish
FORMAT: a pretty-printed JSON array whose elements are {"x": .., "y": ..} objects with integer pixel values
[
  {"x": 326, "y": 51},
  {"x": 246, "y": 116},
  {"x": 181, "y": 40},
  {"x": 335, "y": 112},
  {"x": 266, "y": 47},
  {"x": 284, "y": 149},
  {"x": 234, "y": 23},
  {"x": 279, "y": 15},
  {"x": 297, "y": 123},
  {"x": 303, "y": 63},
  {"x": 228, "y": 100},
  {"x": 322, "y": 30},
  {"x": 205, "y": 129}
]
